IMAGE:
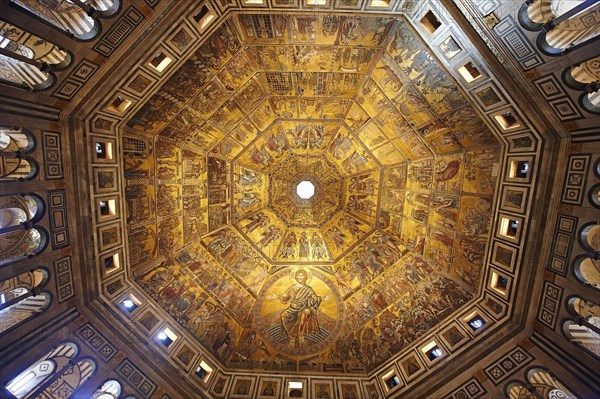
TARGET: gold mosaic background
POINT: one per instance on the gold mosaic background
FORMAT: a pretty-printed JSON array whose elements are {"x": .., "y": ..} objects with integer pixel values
[{"x": 394, "y": 240}]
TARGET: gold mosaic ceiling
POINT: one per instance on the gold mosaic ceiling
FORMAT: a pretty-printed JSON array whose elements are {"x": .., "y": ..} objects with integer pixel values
[{"x": 393, "y": 240}]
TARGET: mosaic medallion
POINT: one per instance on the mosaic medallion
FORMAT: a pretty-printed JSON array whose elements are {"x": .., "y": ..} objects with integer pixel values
[{"x": 299, "y": 312}]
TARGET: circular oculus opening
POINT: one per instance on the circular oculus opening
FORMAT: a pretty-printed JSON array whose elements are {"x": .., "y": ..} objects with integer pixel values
[{"x": 305, "y": 190}]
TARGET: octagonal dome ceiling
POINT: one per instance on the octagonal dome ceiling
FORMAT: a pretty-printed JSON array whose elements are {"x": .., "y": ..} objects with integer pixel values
[{"x": 392, "y": 241}]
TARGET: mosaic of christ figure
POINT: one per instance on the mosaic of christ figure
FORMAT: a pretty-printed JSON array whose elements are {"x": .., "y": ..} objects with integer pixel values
[
  {"x": 299, "y": 312},
  {"x": 300, "y": 317}
]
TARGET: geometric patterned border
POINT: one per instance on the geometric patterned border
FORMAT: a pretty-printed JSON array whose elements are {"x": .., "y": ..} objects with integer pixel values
[
  {"x": 136, "y": 378},
  {"x": 52, "y": 156},
  {"x": 96, "y": 341},
  {"x": 57, "y": 209},
  {"x": 549, "y": 304},
  {"x": 508, "y": 364},
  {"x": 74, "y": 82},
  {"x": 585, "y": 135},
  {"x": 550, "y": 87},
  {"x": 63, "y": 275},
  {"x": 152, "y": 3},
  {"x": 565, "y": 109},
  {"x": 470, "y": 389},
  {"x": 573, "y": 190},
  {"x": 561, "y": 244},
  {"x": 119, "y": 31},
  {"x": 554, "y": 92},
  {"x": 515, "y": 42},
  {"x": 486, "y": 6}
]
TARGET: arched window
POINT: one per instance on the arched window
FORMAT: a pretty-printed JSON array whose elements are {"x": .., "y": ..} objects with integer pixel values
[
  {"x": 16, "y": 210},
  {"x": 586, "y": 309},
  {"x": 43, "y": 370},
  {"x": 586, "y": 77},
  {"x": 72, "y": 16},
  {"x": 31, "y": 46},
  {"x": 20, "y": 299},
  {"x": 13, "y": 139},
  {"x": 589, "y": 237},
  {"x": 14, "y": 143},
  {"x": 518, "y": 390},
  {"x": 17, "y": 70},
  {"x": 573, "y": 30},
  {"x": 64, "y": 15},
  {"x": 19, "y": 237},
  {"x": 70, "y": 379},
  {"x": 16, "y": 288},
  {"x": 17, "y": 167},
  {"x": 586, "y": 330},
  {"x": 547, "y": 385},
  {"x": 594, "y": 195},
  {"x": 542, "y": 11},
  {"x": 587, "y": 270},
  {"x": 20, "y": 244},
  {"x": 111, "y": 389},
  {"x": 584, "y": 73},
  {"x": 25, "y": 59},
  {"x": 586, "y": 313},
  {"x": 564, "y": 24}
]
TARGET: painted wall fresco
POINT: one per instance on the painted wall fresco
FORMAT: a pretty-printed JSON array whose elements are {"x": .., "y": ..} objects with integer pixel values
[{"x": 393, "y": 240}]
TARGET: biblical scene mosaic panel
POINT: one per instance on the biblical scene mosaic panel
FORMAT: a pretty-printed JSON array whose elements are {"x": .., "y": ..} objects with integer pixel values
[{"x": 394, "y": 238}]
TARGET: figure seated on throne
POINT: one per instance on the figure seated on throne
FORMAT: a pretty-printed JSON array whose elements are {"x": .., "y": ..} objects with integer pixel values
[{"x": 300, "y": 318}]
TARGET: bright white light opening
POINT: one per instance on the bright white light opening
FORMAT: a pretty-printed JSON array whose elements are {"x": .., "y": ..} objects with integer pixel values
[
  {"x": 476, "y": 323},
  {"x": 128, "y": 303},
  {"x": 166, "y": 336},
  {"x": 15, "y": 385},
  {"x": 305, "y": 190}
]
